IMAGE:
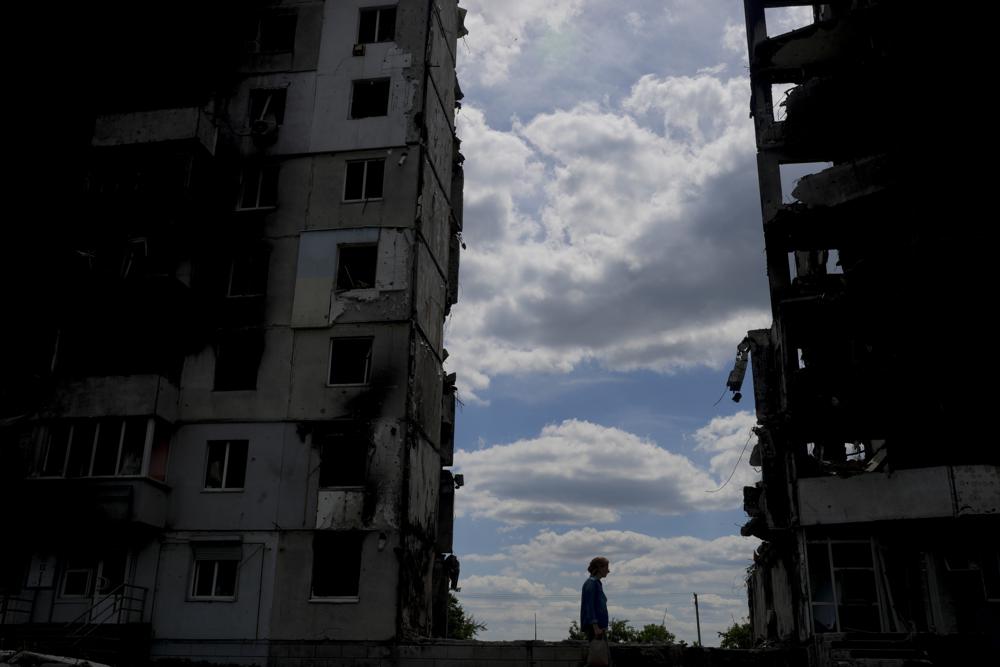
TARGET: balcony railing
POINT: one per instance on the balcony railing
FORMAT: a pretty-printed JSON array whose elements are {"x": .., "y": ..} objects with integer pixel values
[{"x": 17, "y": 607}]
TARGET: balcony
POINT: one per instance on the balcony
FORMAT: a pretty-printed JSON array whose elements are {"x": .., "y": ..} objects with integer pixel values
[
  {"x": 90, "y": 504},
  {"x": 116, "y": 395},
  {"x": 917, "y": 493},
  {"x": 190, "y": 124}
]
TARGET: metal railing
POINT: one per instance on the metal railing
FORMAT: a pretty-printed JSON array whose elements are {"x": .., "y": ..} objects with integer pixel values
[{"x": 125, "y": 603}]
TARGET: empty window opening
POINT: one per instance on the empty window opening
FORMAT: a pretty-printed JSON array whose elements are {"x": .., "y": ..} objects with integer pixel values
[
  {"x": 370, "y": 97},
  {"x": 356, "y": 266},
  {"x": 377, "y": 25},
  {"x": 833, "y": 264},
  {"x": 842, "y": 587},
  {"x": 792, "y": 173},
  {"x": 363, "y": 180},
  {"x": 267, "y": 104},
  {"x": 350, "y": 360},
  {"x": 214, "y": 579},
  {"x": 237, "y": 358},
  {"x": 96, "y": 448},
  {"x": 336, "y": 568},
  {"x": 248, "y": 274},
  {"x": 779, "y": 91},
  {"x": 343, "y": 451},
  {"x": 780, "y": 20},
  {"x": 258, "y": 187},
  {"x": 275, "y": 33},
  {"x": 226, "y": 465}
]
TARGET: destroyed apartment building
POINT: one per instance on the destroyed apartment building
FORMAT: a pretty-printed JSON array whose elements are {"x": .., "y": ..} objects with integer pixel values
[
  {"x": 879, "y": 504},
  {"x": 225, "y": 424}
]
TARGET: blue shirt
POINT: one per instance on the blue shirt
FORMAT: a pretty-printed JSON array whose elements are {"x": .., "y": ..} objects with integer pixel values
[{"x": 593, "y": 604}]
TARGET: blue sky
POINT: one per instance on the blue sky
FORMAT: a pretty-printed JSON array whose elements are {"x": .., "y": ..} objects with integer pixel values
[{"x": 614, "y": 261}]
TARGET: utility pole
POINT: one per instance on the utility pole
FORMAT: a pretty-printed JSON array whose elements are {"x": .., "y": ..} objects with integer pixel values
[
  {"x": 536, "y": 626},
  {"x": 697, "y": 617}
]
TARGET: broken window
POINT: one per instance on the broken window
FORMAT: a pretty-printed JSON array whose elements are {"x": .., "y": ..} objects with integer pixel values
[
  {"x": 370, "y": 97},
  {"x": 226, "y": 467},
  {"x": 237, "y": 357},
  {"x": 377, "y": 25},
  {"x": 343, "y": 450},
  {"x": 842, "y": 587},
  {"x": 214, "y": 578},
  {"x": 258, "y": 187},
  {"x": 336, "y": 564},
  {"x": 363, "y": 180},
  {"x": 248, "y": 273},
  {"x": 356, "y": 266},
  {"x": 267, "y": 103},
  {"x": 96, "y": 448},
  {"x": 350, "y": 360}
]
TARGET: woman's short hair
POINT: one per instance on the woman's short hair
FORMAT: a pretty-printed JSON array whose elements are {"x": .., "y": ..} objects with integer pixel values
[{"x": 597, "y": 563}]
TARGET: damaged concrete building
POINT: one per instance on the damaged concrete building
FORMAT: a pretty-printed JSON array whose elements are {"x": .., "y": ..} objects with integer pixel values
[
  {"x": 879, "y": 505},
  {"x": 226, "y": 427}
]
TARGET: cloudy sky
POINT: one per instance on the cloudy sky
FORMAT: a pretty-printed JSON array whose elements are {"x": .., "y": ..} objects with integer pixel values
[{"x": 614, "y": 261}]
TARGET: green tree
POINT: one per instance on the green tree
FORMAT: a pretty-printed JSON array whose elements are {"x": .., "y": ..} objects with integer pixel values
[
  {"x": 621, "y": 631},
  {"x": 460, "y": 624},
  {"x": 738, "y": 635},
  {"x": 654, "y": 633}
]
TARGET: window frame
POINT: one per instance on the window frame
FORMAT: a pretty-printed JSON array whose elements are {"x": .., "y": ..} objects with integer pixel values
[
  {"x": 268, "y": 106},
  {"x": 340, "y": 247},
  {"x": 91, "y": 571},
  {"x": 266, "y": 180},
  {"x": 224, "y": 473},
  {"x": 378, "y": 11},
  {"x": 364, "y": 180},
  {"x": 358, "y": 539},
  {"x": 833, "y": 568},
  {"x": 195, "y": 578},
  {"x": 99, "y": 424},
  {"x": 368, "y": 361}
]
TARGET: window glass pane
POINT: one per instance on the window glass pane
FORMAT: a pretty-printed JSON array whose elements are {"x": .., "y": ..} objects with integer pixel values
[
  {"x": 373, "y": 182},
  {"x": 133, "y": 446},
  {"x": 819, "y": 573},
  {"x": 387, "y": 24},
  {"x": 824, "y": 618},
  {"x": 366, "y": 26},
  {"x": 354, "y": 181},
  {"x": 349, "y": 360},
  {"x": 237, "y": 468},
  {"x": 225, "y": 578},
  {"x": 203, "y": 573},
  {"x": 356, "y": 266},
  {"x": 106, "y": 453},
  {"x": 216, "y": 461},
  {"x": 55, "y": 456},
  {"x": 81, "y": 449},
  {"x": 847, "y": 554}
]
